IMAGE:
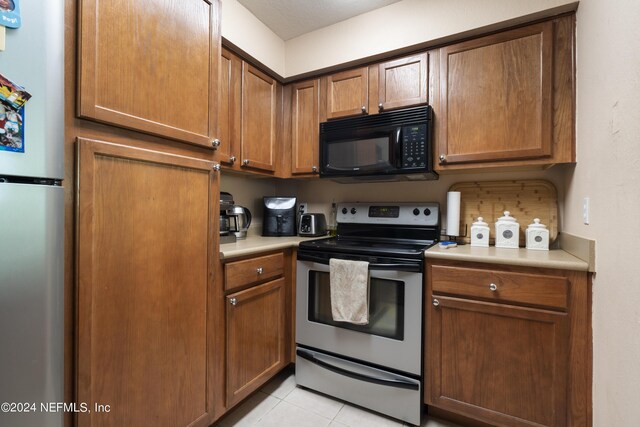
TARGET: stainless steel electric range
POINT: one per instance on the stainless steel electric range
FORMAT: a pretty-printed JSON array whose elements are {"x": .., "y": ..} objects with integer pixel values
[{"x": 378, "y": 365}]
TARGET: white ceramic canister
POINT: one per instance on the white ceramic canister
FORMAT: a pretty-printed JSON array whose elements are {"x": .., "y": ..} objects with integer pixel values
[
  {"x": 507, "y": 232},
  {"x": 537, "y": 236},
  {"x": 480, "y": 233}
]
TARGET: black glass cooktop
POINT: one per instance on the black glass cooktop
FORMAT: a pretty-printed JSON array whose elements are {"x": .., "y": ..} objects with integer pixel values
[{"x": 390, "y": 247}]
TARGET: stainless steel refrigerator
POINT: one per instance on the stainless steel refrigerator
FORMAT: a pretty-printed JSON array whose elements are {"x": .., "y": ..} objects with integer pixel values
[{"x": 31, "y": 224}]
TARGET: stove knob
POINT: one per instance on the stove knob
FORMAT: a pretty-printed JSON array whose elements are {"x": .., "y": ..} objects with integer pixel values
[
  {"x": 344, "y": 211},
  {"x": 416, "y": 211},
  {"x": 427, "y": 211},
  {"x": 353, "y": 211}
]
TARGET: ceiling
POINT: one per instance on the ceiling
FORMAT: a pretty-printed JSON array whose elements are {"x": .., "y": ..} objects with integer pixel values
[{"x": 291, "y": 18}]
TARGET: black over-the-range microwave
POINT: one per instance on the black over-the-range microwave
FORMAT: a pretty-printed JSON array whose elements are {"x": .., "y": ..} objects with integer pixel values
[{"x": 390, "y": 146}]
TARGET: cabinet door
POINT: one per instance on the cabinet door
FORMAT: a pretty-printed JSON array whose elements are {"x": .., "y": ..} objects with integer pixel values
[
  {"x": 346, "y": 93},
  {"x": 258, "y": 140},
  {"x": 402, "y": 82},
  {"x": 229, "y": 107},
  {"x": 305, "y": 127},
  {"x": 496, "y": 97},
  {"x": 255, "y": 338},
  {"x": 151, "y": 68},
  {"x": 146, "y": 226},
  {"x": 503, "y": 365}
]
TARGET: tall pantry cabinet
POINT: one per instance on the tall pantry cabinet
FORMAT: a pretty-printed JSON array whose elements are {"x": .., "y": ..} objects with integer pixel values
[{"x": 143, "y": 194}]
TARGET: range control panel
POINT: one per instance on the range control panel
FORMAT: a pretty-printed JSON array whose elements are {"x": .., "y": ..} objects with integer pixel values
[{"x": 389, "y": 213}]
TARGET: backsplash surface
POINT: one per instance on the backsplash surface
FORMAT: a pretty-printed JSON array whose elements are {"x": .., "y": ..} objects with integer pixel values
[{"x": 319, "y": 194}]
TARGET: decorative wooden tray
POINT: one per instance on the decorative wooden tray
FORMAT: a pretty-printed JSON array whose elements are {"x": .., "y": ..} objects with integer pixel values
[{"x": 525, "y": 199}]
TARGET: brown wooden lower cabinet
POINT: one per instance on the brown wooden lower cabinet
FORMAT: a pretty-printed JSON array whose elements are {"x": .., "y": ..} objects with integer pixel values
[
  {"x": 255, "y": 338},
  {"x": 496, "y": 352},
  {"x": 146, "y": 222}
]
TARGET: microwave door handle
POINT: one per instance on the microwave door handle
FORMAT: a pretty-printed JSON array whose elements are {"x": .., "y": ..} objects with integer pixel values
[
  {"x": 397, "y": 148},
  {"x": 360, "y": 169}
]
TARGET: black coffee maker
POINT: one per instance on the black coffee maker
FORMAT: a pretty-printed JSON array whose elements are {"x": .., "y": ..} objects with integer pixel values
[{"x": 279, "y": 216}]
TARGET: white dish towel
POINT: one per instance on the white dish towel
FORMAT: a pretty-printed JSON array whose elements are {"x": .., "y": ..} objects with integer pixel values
[{"x": 349, "y": 283}]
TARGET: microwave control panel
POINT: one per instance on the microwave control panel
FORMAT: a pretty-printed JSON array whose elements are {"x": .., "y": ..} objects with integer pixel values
[{"x": 414, "y": 147}]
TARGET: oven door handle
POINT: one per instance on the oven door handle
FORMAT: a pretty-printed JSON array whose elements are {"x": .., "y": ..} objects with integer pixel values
[
  {"x": 397, "y": 383},
  {"x": 391, "y": 266},
  {"x": 411, "y": 267}
]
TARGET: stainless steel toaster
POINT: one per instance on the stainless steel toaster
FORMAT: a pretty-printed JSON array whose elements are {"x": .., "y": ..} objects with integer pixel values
[{"x": 312, "y": 224}]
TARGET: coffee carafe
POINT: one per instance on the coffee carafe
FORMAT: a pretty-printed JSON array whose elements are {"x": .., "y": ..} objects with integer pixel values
[
  {"x": 226, "y": 202},
  {"x": 239, "y": 220}
]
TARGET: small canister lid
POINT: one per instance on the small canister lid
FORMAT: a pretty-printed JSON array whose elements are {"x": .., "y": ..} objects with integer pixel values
[
  {"x": 536, "y": 225},
  {"x": 480, "y": 222},
  {"x": 506, "y": 217}
]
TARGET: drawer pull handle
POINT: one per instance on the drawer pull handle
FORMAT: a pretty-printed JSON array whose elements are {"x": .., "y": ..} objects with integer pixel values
[
  {"x": 259, "y": 270},
  {"x": 233, "y": 301},
  {"x": 493, "y": 287},
  {"x": 436, "y": 302}
]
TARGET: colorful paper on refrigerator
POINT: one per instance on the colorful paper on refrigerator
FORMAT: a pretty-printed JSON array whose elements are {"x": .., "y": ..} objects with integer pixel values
[{"x": 11, "y": 128}]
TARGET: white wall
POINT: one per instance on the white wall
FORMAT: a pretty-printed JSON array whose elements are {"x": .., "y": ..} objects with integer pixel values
[
  {"x": 608, "y": 172},
  {"x": 398, "y": 25},
  {"x": 244, "y": 30}
]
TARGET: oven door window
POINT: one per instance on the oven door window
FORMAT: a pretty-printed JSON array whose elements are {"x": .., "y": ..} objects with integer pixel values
[
  {"x": 368, "y": 154},
  {"x": 386, "y": 306}
]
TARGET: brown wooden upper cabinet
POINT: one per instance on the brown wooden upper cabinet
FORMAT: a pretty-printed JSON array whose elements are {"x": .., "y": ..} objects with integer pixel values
[
  {"x": 305, "y": 127},
  {"x": 402, "y": 82},
  {"x": 258, "y": 122},
  {"x": 389, "y": 85},
  {"x": 229, "y": 108},
  {"x": 159, "y": 75},
  {"x": 506, "y": 99},
  {"x": 347, "y": 93}
]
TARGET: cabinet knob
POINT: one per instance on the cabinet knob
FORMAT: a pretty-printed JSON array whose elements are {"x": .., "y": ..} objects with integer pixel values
[
  {"x": 435, "y": 302},
  {"x": 493, "y": 287},
  {"x": 364, "y": 109},
  {"x": 443, "y": 158},
  {"x": 259, "y": 270},
  {"x": 245, "y": 162},
  {"x": 380, "y": 107},
  {"x": 215, "y": 143},
  {"x": 216, "y": 167},
  {"x": 233, "y": 301},
  {"x": 314, "y": 169},
  {"x": 233, "y": 159}
]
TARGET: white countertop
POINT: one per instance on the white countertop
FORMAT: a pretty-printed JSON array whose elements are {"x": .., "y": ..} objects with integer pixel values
[
  {"x": 256, "y": 244},
  {"x": 554, "y": 258}
]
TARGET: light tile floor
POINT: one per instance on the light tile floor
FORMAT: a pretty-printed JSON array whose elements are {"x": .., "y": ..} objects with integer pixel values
[{"x": 280, "y": 403}]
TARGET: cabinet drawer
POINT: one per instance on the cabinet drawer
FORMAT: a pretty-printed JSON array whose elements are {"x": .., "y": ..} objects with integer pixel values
[
  {"x": 501, "y": 286},
  {"x": 241, "y": 273}
]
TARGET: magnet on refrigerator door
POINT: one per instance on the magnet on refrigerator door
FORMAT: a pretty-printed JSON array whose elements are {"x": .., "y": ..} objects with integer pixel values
[{"x": 10, "y": 13}]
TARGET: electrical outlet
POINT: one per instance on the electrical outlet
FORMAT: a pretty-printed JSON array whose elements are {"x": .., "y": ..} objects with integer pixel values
[
  {"x": 585, "y": 211},
  {"x": 303, "y": 208}
]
